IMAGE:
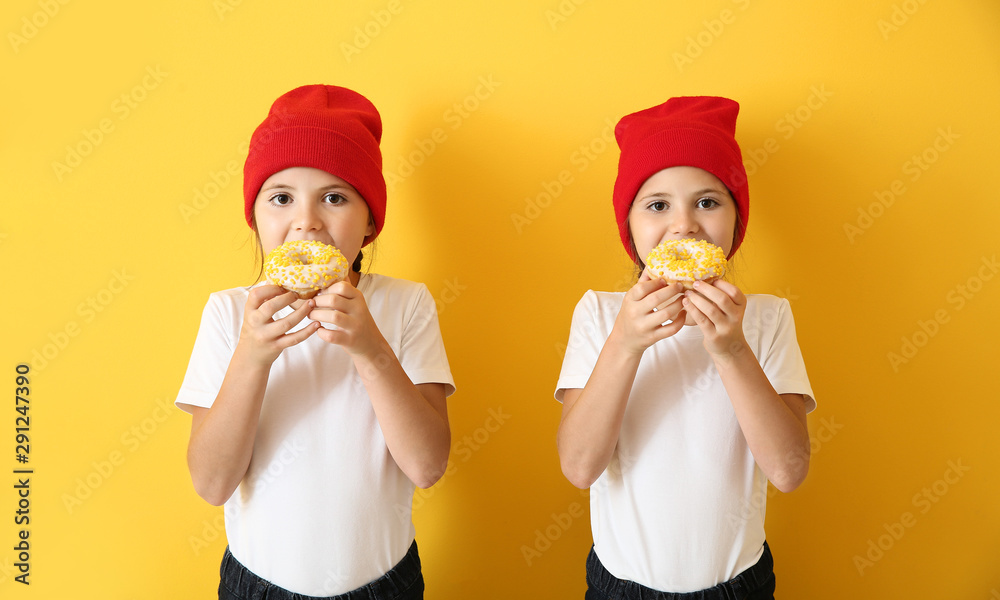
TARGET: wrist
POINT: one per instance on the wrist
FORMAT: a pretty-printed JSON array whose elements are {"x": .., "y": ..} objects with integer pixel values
[
  {"x": 375, "y": 359},
  {"x": 619, "y": 344},
  {"x": 732, "y": 353},
  {"x": 247, "y": 356}
]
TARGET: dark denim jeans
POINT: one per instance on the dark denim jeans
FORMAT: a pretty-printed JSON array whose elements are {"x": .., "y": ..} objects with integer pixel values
[
  {"x": 756, "y": 583},
  {"x": 403, "y": 582}
]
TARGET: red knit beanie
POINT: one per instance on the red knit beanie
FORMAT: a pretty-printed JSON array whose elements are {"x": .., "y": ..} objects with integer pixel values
[
  {"x": 324, "y": 127},
  {"x": 694, "y": 131}
]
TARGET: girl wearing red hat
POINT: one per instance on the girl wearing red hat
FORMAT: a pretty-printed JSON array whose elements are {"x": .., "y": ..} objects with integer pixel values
[
  {"x": 313, "y": 420},
  {"x": 679, "y": 406}
]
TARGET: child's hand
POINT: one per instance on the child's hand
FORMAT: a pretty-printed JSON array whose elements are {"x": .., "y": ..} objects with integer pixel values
[
  {"x": 261, "y": 335},
  {"x": 344, "y": 307},
  {"x": 648, "y": 305},
  {"x": 718, "y": 308}
]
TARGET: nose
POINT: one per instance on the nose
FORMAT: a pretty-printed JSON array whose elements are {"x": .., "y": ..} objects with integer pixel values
[
  {"x": 683, "y": 222},
  {"x": 307, "y": 217}
]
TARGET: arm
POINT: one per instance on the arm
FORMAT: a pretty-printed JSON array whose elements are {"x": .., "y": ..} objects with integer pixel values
[
  {"x": 774, "y": 425},
  {"x": 592, "y": 417},
  {"x": 413, "y": 418},
  {"x": 222, "y": 437}
]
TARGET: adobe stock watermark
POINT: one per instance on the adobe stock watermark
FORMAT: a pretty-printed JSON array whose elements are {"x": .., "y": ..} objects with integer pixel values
[
  {"x": 787, "y": 126},
  {"x": 105, "y": 467},
  {"x": 711, "y": 31},
  {"x": 122, "y": 107},
  {"x": 589, "y": 334},
  {"x": 365, "y": 34},
  {"x": 7, "y": 569},
  {"x": 551, "y": 189},
  {"x": 462, "y": 451},
  {"x": 824, "y": 433},
  {"x": 87, "y": 311},
  {"x": 562, "y": 12},
  {"x": 211, "y": 530},
  {"x": 224, "y": 7},
  {"x": 957, "y": 298},
  {"x": 217, "y": 181},
  {"x": 899, "y": 17},
  {"x": 257, "y": 481},
  {"x": 924, "y": 500},
  {"x": 31, "y": 25},
  {"x": 450, "y": 292},
  {"x": 453, "y": 117},
  {"x": 559, "y": 523},
  {"x": 914, "y": 168}
]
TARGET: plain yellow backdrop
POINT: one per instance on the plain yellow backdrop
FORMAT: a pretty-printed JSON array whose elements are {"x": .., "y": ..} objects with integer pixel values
[{"x": 870, "y": 133}]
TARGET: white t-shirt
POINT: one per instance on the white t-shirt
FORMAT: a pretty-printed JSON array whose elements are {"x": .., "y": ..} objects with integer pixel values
[
  {"x": 680, "y": 508},
  {"x": 323, "y": 508}
]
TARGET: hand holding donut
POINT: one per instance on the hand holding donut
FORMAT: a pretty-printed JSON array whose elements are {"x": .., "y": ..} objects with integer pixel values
[
  {"x": 343, "y": 306},
  {"x": 717, "y": 308},
  {"x": 646, "y": 308},
  {"x": 264, "y": 337}
]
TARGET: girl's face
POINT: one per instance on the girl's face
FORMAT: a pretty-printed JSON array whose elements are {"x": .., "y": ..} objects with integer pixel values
[
  {"x": 302, "y": 203},
  {"x": 682, "y": 202}
]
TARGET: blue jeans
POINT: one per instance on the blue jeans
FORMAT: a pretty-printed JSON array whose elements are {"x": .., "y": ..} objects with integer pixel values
[
  {"x": 403, "y": 582},
  {"x": 756, "y": 583}
]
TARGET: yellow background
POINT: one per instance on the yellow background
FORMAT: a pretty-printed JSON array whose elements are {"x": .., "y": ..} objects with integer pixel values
[{"x": 106, "y": 266}]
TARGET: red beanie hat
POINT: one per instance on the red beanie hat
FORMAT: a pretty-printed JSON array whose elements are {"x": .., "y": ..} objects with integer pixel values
[
  {"x": 324, "y": 127},
  {"x": 687, "y": 131}
]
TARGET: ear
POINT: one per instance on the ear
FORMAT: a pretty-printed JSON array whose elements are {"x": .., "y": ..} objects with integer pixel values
[{"x": 369, "y": 231}]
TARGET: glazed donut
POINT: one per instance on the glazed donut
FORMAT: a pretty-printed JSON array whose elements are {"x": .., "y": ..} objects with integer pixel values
[
  {"x": 305, "y": 267},
  {"x": 686, "y": 261}
]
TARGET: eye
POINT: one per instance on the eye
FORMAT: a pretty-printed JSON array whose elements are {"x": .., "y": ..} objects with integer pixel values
[
  {"x": 335, "y": 198},
  {"x": 707, "y": 202},
  {"x": 281, "y": 199},
  {"x": 658, "y": 206}
]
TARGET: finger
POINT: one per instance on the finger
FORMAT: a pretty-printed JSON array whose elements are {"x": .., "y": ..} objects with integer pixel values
[
  {"x": 274, "y": 305},
  {"x": 735, "y": 293},
  {"x": 263, "y": 314},
  {"x": 296, "y": 337},
  {"x": 671, "y": 311},
  {"x": 711, "y": 292},
  {"x": 668, "y": 296},
  {"x": 654, "y": 320},
  {"x": 696, "y": 306},
  {"x": 275, "y": 328},
  {"x": 261, "y": 294},
  {"x": 330, "y": 317},
  {"x": 645, "y": 275},
  {"x": 337, "y": 301},
  {"x": 666, "y": 330},
  {"x": 341, "y": 288},
  {"x": 643, "y": 289}
]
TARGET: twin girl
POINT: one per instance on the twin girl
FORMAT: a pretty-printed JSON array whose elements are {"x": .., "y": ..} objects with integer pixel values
[{"x": 357, "y": 378}]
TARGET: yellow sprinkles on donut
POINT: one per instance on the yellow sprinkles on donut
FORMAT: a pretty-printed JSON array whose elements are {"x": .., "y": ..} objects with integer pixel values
[
  {"x": 686, "y": 260},
  {"x": 305, "y": 267}
]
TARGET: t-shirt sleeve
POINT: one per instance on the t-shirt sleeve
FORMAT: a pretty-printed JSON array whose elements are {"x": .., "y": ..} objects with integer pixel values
[
  {"x": 213, "y": 349},
  {"x": 422, "y": 354},
  {"x": 782, "y": 360},
  {"x": 586, "y": 339}
]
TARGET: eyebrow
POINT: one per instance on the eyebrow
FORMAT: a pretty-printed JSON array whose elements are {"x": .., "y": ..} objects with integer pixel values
[
  {"x": 325, "y": 188},
  {"x": 695, "y": 193}
]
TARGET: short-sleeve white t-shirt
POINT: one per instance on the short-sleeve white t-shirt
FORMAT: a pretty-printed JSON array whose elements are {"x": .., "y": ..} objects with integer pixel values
[
  {"x": 681, "y": 506},
  {"x": 323, "y": 508}
]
